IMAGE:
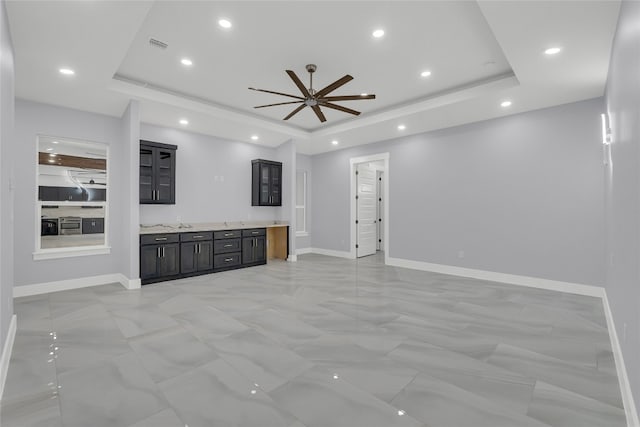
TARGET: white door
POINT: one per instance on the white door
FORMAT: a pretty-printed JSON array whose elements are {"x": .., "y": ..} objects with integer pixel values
[{"x": 366, "y": 207}]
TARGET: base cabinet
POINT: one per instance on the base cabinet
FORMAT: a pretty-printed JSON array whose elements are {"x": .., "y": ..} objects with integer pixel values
[
  {"x": 175, "y": 255},
  {"x": 159, "y": 261}
]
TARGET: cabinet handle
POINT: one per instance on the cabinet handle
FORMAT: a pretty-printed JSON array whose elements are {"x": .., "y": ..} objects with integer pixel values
[
  {"x": 228, "y": 246},
  {"x": 158, "y": 252},
  {"x": 228, "y": 234},
  {"x": 228, "y": 259},
  {"x": 255, "y": 232},
  {"x": 198, "y": 237},
  {"x": 163, "y": 252},
  {"x": 161, "y": 239},
  {"x": 199, "y": 248}
]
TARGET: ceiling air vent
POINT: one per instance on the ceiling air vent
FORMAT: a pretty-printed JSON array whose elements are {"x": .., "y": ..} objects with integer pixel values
[{"x": 157, "y": 43}]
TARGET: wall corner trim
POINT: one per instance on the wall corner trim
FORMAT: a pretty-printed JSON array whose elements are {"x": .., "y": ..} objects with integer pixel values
[
  {"x": 623, "y": 379},
  {"x": 81, "y": 282},
  {"x": 293, "y": 257},
  {"x": 303, "y": 251},
  {"x": 6, "y": 353}
]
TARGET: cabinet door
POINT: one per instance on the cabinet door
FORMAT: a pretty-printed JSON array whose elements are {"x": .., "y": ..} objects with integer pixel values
[
  {"x": 165, "y": 161},
  {"x": 149, "y": 261},
  {"x": 275, "y": 172},
  {"x": 205, "y": 255},
  {"x": 265, "y": 185},
  {"x": 169, "y": 264},
  {"x": 260, "y": 249},
  {"x": 92, "y": 225},
  {"x": 48, "y": 193},
  {"x": 248, "y": 252},
  {"x": 188, "y": 257},
  {"x": 147, "y": 185}
]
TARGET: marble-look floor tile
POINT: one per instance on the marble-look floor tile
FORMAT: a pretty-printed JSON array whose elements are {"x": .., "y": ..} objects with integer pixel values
[
  {"x": 562, "y": 408},
  {"x": 119, "y": 392},
  {"x": 260, "y": 359},
  {"x": 283, "y": 328},
  {"x": 141, "y": 320},
  {"x": 40, "y": 410},
  {"x": 181, "y": 303},
  {"x": 483, "y": 379},
  {"x": 165, "y": 418},
  {"x": 217, "y": 395},
  {"x": 332, "y": 347},
  {"x": 209, "y": 324},
  {"x": 319, "y": 399},
  {"x": 441, "y": 404},
  {"x": 579, "y": 379},
  {"x": 171, "y": 352}
]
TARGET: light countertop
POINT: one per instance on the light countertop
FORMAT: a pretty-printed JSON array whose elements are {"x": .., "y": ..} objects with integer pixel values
[{"x": 208, "y": 226}]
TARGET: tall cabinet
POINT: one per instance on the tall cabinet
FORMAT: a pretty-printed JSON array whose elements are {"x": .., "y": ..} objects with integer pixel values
[
  {"x": 266, "y": 183},
  {"x": 157, "y": 173}
]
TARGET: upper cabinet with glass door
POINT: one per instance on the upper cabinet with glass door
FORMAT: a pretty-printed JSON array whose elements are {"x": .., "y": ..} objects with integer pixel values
[
  {"x": 157, "y": 173},
  {"x": 72, "y": 196},
  {"x": 266, "y": 183}
]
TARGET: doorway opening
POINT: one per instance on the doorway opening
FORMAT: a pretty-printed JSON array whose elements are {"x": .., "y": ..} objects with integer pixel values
[{"x": 369, "y": 205}]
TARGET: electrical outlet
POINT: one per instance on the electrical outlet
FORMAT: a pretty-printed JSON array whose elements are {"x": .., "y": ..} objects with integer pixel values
[
  {"x": 461, "y": 254},
  {"x": 179, "y": 218}
]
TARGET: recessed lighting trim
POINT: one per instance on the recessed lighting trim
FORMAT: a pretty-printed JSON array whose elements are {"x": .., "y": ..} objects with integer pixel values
[
  {"x": 186, "y": 61},
  {"x": 425, "y": 73},
  {"x": 378, "y": 33},
  {"x": 54, "y": 142},
  {"x": 505, "y": 104},
  {"x": 335, "y": 142},
  {"x": 401, "y": 127},
  {"x": 364, "y": 94},
  {"x": 254, "y": 137},
  {"x": 67, "y": 71},
  {"x": 224, "y": 23},
  {"x": 552, "y": 50},
  {"x": 184, "y": 122}
]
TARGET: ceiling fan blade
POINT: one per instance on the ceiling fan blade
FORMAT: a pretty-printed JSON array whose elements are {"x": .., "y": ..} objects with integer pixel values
[
  {"x": 340, "y": 108},
  {"x": 294, "y": 112},
  {"x": 333, "y": 86},
  {"x": 318, "y": 112},
  {"x": 347, "y": 98},
  {"x": 280, "y": 103},
  {"x": 277, "y": 93},
  {"x": 298, "y": 83}
]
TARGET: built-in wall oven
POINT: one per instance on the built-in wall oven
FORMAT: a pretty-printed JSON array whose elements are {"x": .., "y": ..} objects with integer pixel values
[
  {"x": 70, "y": 225},
  {"x": 49, "y": 227}
]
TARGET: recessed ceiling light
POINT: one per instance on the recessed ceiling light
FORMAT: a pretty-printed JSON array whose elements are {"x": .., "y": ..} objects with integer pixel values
[
  {"x": 49, "y": 149},
  {"x": 505, "y": 104},
  {"x": 186, "y": 61},
  {"x": 54, "y": 142},
  {"x": 224, "y": 23},
  {"x": 334, "y": 142},
  {"x": 552, "y": 50},
  {"x": 378, "y": 33},
  {"x": 401, "y": 127},
  {"x": 254, "y": 137},
  {"x": 364, "y": 94},
  {"x": 184, "y": 121},
  {"x": 67, "y": 71},
  {"x": 425, "y": 73},
  {"x": 401, "y": 412}
]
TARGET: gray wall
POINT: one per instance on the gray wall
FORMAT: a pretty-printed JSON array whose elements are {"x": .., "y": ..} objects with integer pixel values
[
  {"x": 32, "y": 119},
  {"x": 521, "y": 194},
  {"x": 201, "y": 194},
  {"x": 6, "y": 172},
  {"x": 303, "y": 162},
  {"x": 623, "y": 189},
  {"x": 130, "y": 170}
]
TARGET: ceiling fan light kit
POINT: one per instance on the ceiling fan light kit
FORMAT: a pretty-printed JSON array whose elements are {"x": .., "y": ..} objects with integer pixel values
[{"x": 316, "y": 99}]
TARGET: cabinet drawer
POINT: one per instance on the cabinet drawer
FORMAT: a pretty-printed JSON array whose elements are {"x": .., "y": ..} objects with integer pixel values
[
  {"x": 226, "y": 234},
  {"x": 196, "y": 237},
  {"x": 227, "y": 245},
  {"x": 92, "y": 225},
  {"x": 154, "y": 239},
  {"x": 226, "y": 260},
  {"x": 252, "y": 232}
]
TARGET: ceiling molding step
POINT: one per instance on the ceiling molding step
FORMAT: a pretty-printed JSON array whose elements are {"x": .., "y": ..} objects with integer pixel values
[
  {"x": 143, "y": 90},
  {"x": 440, "y": 99}
]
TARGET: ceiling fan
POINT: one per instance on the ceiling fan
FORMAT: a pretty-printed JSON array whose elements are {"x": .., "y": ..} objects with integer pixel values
[{"x": 316, "y": 99}]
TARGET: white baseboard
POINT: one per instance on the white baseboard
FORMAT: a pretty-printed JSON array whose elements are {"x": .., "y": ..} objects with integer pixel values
[
  {"x": 292, "y": 258},
  {"x": 303, "y": 251},
  {"x": 331, "y": 252},
  {"x": 512, "y": 279},
  {"x": 621, "y": 370},
  {"x": 6, "y": 353},
  {"x": 82, "y": 282}
]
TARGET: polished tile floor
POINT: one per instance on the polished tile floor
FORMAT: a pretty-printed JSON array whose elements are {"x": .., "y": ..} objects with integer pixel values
[{"x": 324, "y": 342}]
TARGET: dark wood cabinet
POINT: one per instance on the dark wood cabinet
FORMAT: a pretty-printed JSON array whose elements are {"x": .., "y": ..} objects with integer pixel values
[
  {"x": 157, "y": 173},
  {"x": 254, "y": 248},
  {"x": 196, "y": 252},
  {"x": 92, "y": 225},
  {"x": 159, "y": 257},
  {"x": 266, "y": 183}
]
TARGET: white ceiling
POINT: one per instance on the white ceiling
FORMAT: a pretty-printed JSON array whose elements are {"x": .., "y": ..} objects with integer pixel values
[{"x": 479, "y": 54}]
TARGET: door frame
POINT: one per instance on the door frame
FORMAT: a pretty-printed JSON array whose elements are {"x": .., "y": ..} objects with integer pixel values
[{"x": 352, "y": 194}]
